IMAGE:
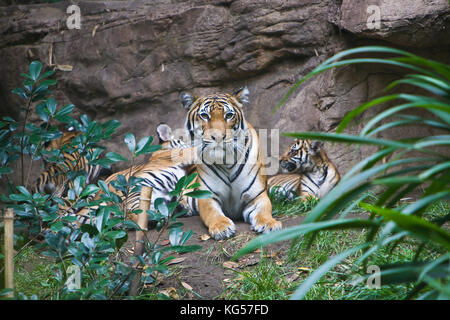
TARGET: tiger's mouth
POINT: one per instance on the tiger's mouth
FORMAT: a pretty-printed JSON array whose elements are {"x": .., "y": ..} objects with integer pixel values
[
  {"x": 227, "y": 151},
  {"x": 287, "y": 166}
]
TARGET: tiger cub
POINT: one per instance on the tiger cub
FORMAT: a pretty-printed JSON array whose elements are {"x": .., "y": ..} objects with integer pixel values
[
  {"x": 54, "y": 179},
  {"x": 306, "y": 171},
  {"x": 232, "y": 164}
]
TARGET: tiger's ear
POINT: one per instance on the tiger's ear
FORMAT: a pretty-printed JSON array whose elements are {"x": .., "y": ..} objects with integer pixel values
[
  {"x": 187, "y": 99},
  {"x": 316, "y": 146},
  {"x": 243, "y": 95},
  {"x": 164, "y": 132}
]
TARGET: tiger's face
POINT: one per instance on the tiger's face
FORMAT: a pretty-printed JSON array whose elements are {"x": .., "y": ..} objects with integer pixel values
[
  {"x": 300, "y": 156},
  {"x": 217, "y": 125},
  {"x": 58, "y": 143}
]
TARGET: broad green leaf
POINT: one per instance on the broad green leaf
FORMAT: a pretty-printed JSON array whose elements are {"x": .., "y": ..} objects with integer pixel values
[
  {"x": 21, "y": 93},
  {"x": 357, "y": 111},
  {"x": 5, "y": 170},
  {"x": 116, "y": 234},
  {"x": 63, "y": 114},
  {"x": 35, "y": 69},
  {"x": 130, "y": 141},
  {"x": 90, "y": 189},
  {"x": 47, "y": 74},
  {"x": 199, "y": 194},
  {"x": 347, "y": 138},
  {"x": 51, "y": 105},
  {"x": 175, "y": 235},
  {"x": 115, "y": 157},
  {"x": 417, "y": 226}
]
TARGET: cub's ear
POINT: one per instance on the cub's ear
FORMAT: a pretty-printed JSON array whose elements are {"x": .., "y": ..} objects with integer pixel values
[
  {"x": 243, "y": 95},
  {"x": 316, "y": 146},
  {"x": 187, "y": 100},
  {"x": 164, "y": 132}
]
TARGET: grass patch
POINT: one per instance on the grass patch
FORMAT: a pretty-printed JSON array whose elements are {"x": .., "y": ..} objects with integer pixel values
[
  {"x": 33, "y": 275},
  {"x": 278, "y": 278},
  {"x": 281, "y": 205}
]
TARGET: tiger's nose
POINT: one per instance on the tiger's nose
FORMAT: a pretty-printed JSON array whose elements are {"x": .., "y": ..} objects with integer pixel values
[{"x": 218, "y": 137}]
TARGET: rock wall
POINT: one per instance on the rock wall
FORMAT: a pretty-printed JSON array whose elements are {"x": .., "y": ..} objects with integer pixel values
[{"x": 131, "y": 59}]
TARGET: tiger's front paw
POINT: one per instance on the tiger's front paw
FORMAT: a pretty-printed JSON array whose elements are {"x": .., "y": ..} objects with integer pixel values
[
  {"x": 222, "y": 228},
  {"x": 267, "y": 226}
]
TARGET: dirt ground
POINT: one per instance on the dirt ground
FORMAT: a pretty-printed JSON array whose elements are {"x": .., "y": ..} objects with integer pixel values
[{"x": 207, "y": 271}]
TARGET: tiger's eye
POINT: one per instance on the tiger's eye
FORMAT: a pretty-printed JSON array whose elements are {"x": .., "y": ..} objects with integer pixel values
[
  {"x": 204, "y": 116},
  {"x": 229, "y": 116}
]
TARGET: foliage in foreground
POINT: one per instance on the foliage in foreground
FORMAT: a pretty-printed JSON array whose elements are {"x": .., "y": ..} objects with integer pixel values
[
  {"x": 415, "y": 165},
  {"x": 47, "y": 222}
]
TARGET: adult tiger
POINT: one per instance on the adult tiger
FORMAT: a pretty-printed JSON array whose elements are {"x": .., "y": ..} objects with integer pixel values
[
  {"x": 307, "y": 170},
  {"x": 232, "y": 165},
  {"x": 163, "y": 170}
]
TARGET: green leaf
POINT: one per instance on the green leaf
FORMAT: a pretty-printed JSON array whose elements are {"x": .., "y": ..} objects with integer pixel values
[
  {"x": 189, "y": 180},
  {"x": 90, "y": 189},
  {"x": 35, "y": 69},
  {"x": 47, "y": 74},
  {"x": 57, "y": 226},
  {"x": 43, "y": 112},
  {"x": 91, "y": 230},
  {"x": 417, "y": 226},
  {"x": 143, "y": 145},
  {"x": 21, "y": 93},
  {"x": 24, "y": 191},
  {"x": 51, "y": 105},
  {"x": 186, "y": 249},
  {"x": 5, "y": 170},
  {"x": 130, "y": 141},
  {"x": 357, "y": 111},
  {"x": 199, "y": 194},
  {"x": 347, "y": 138},
  {"x": 115, "y": 157},
  {"x": 161, "y": 206},
  {"x": 116, "y": 234},
  {"x": 63, "y": 114},
  {"x": 26, "y": 75},
  {"x": 102, "y": 218},
  {"x": 69, "y": 218},
  {"x": 78, "y": 184},
  {"x": 175, "y": 235}
]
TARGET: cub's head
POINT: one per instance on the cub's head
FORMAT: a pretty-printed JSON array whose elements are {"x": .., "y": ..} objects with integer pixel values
[
  {"x": 301, "y": 156},
  {"x": 66, "y": 138},
  {"x": 216, "y": 123},
  {"x": 167, "y": 139}
]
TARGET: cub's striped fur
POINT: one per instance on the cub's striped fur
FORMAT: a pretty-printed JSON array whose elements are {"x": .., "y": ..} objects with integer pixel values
[
  {"x": 54, "y": 180},
  {"x": 307, "y": 170},
  {"x": 231, "y": 166}
]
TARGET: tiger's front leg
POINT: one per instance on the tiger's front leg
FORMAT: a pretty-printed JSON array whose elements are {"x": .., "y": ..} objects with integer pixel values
[
  {"x": 219, "y": 226},
  {"x": 259, "y": 214}
]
